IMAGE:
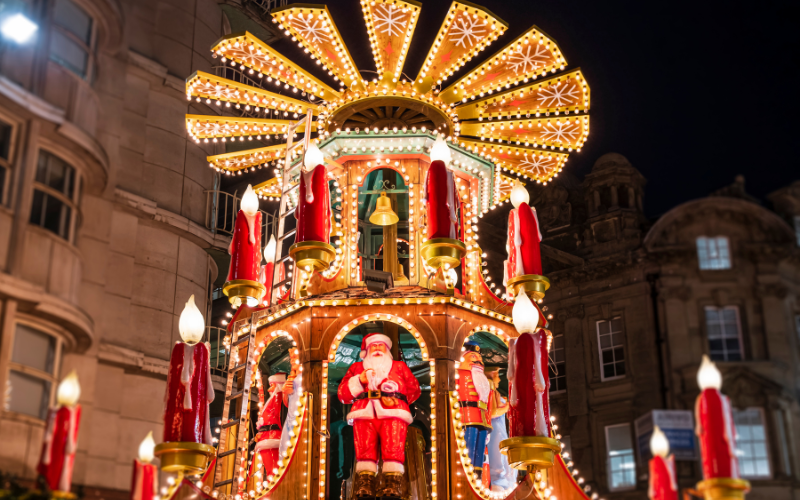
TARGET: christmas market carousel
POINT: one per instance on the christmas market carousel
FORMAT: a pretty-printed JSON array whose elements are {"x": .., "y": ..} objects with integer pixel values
[{"x": 370, "y": 354}]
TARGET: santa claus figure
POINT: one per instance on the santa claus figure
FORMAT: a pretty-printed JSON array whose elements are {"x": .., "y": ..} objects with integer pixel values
[
  {"x": 529, "y": 411},
  {"x": 314, "y": 204},
  {"x": 380, "y": 390},
  {"x": 441, "y": 197},
  {"x": 524, "y": 237},
  {"x": 476, "y": 400},
  {"x": 268, "y": 427},
  {"x": 189, "y": 387}
]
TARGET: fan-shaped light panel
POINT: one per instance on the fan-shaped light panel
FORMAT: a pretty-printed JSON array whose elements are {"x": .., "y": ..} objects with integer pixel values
[
  {"x": 530, "y": 55},
  {"x": 315, "y": 30},
  {"x": 528, "y": 162},
  {"x": 561, "y": 94},
  {"x": 269, "y": 189},
  {"x": 466, "y": 30},
  {"x": 247, "y": 53},
  {"x": 207, "y": 127},
  {"x": 556, "y": 132},
  {"x": 205, "y": 86},
  {"x": 390, "y": 25},
  {"x": 241, "y": 160}
]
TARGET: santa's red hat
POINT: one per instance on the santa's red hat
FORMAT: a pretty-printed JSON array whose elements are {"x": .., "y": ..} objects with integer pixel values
[
  {"x": 277, "y": 378},
  {"x": 371, "y": 338}
]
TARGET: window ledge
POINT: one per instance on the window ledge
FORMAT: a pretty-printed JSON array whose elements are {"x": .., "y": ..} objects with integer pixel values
[{"x": 23, "y": 418}]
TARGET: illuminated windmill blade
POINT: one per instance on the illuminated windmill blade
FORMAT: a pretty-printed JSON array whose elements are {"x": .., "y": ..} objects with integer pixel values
[
  {"x": 314, "y": 28},
  {"x": 503, "y": 188},
  {"x": 560, "y": 94},
  {"x": 207, "y": 127},
  {"x": 205, "y": 86},
  {"x": 567, "y": 133},
  {"x": 241, "y": 160},
  {"x": 269, "y": 67},
  {"x": 530, "y": 55},
  {"x": 269, "y": 189},
  {"x": 390, "y": 25},
  {"x": 528, "y": 162},
  {"x": 466, "y": 30}
]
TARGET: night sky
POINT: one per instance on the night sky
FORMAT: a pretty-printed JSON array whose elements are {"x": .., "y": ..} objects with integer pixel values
[{"x": 692, "y": 93}]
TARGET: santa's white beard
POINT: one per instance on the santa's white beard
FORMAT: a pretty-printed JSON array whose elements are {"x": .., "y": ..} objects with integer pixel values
[
  {"x": 381, "y": 364},
  {"x": 481, "y": 383}
]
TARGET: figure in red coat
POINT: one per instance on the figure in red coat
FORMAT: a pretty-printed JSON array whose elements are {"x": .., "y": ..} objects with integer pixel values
[
  {"x": 441, "y": 197},
  {"x": 314, "y": 204},
  {"x": 269, "y": 427},
  {"x": 476, "y": 401},
  {"x": 524, "y": 237},
  {"x": 380, "y": 390}
]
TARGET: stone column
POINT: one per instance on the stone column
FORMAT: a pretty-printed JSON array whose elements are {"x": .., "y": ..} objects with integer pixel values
[
  {"x": 22, "y": 189},
  {"x": 596, "y": 202},
  {"x": 614, "y": 197},
  {"x": 631, "y": 198}
]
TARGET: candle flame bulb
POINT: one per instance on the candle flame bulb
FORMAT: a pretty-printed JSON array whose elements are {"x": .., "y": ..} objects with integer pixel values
[
  {"x": 269, "y": 250},
  {"x": 249, "y": 204},
  {"x": 709, "y": 377},
  {"x": 69, "y": 390},
  {"x": 659, "y": 445},
  {"x": 524, "y": 314},
  {"x": 519, "y": 195},
  {"x": 440, "y": 151},
  {"x": 192, "y": 326},
  {"x": 147, "y": 449},
  {"x": 313, "y": 157}
]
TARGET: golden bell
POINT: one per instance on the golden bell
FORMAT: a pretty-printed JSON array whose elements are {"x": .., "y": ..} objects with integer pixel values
[{"x": 383, "y": 214}]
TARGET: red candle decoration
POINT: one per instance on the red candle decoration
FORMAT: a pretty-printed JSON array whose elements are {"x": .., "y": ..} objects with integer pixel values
[
  {"x": 524, "y": 237},
  {"x": 245, "y": 246},
  {"x": 268, "y": 269},
  {"x": 314, "y": 205},
  {"x": 144, "y": 484},
  {"x": 715, "y": 428},
  {"x": 529, "y": 410},
  {"x": 189, "y": 387},
  {"x": 61, "y": 436},
  {"x": 662, "y": 485},
  {"x": 441, "y": 197}
]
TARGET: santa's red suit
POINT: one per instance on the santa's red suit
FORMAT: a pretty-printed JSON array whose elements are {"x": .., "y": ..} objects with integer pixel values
[
  {"x": 313, "y": 206},
  {"x": 189, "y": 392},
  {"x": 268, "y": 427},
  {"x": 529, "y": 410},
  {"x": 524, "y": 237},
  {"x": 479, "y": 407},
  {"x": 380, "y": 409},
  {"x": 441, "y": 200}
]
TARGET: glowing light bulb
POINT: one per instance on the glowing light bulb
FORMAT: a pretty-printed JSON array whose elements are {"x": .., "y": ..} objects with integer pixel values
[
  {"x": 147, "y": 449},
  {"x": 269, "y": 250},
  {"x": 440, "y": 151},
  {"x": 192, "y": 326},
  {"x": 524, "y": 314},
  {"x": 709, "y": 377},
  {"x": 69, "y": 390},
  {"x": 313, "y": 157},
  {"x": 659, "y": 445},
  {"x": 249, "y": 204},
  {"x": 519, "y": 195},
  {"x": 18, "y": 28}
]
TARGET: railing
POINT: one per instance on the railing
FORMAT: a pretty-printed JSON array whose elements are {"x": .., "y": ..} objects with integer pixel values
[
  {"x": 221, "y": 210},
  {"x": 218, "y": 355},
  {"x": 268, "y": 5}
]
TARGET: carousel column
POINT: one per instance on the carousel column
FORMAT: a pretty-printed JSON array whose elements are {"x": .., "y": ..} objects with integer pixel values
[
  {"x": 318, "y": 444},
  {"x": 446, "y": 450}
]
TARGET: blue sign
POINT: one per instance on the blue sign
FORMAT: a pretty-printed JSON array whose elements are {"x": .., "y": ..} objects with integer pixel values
[{"x": 677, "y": 425}]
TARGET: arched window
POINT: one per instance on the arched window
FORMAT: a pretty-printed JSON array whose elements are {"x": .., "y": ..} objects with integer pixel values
[
  {"x": 55, "y": 195},
  {"x": 713, "y": 252},
  {"x": 72, "y": 38}
]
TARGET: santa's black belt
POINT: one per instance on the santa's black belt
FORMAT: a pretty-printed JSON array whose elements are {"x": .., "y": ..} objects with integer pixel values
[
  {"x": 265, "y": 428},
  {"x": 473, "y": 404},
  {"x": 381, "y": 394}
]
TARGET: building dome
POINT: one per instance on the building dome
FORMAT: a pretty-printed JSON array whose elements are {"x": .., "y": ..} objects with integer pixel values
[{"x": 610, "y": 160}]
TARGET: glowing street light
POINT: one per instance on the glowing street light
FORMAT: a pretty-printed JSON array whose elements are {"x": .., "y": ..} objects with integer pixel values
[{"x": 18, "y": 28}]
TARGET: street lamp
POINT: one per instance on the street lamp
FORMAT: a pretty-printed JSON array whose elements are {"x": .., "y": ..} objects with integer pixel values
[{"x": 18, "y": 28}]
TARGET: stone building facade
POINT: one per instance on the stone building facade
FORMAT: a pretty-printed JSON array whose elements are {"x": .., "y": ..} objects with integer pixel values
[
  {"x": 635, "y": 304},
  {"x": 103, "y": 223}
]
